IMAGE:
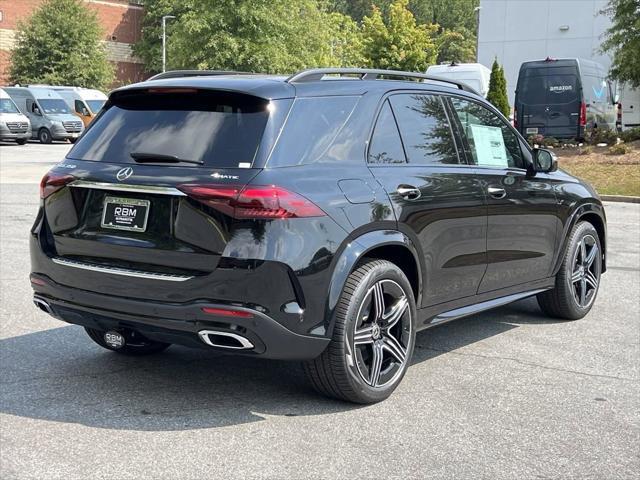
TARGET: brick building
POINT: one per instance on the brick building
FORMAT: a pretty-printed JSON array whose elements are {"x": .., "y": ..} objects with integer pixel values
[{"x": 121, "y": 20}]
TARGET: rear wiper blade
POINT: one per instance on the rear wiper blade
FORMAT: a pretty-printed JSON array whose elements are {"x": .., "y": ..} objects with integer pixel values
[{"x": 148, "y": 157}]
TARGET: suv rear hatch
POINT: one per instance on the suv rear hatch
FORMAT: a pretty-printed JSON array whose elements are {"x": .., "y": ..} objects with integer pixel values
[{"x": 155, "y": 187}]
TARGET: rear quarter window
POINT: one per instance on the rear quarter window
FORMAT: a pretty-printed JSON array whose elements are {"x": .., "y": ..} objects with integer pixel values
[{"x": 310, "y": 132}]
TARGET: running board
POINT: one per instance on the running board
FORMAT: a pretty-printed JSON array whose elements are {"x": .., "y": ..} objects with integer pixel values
[{"x": 482, "y": 306}]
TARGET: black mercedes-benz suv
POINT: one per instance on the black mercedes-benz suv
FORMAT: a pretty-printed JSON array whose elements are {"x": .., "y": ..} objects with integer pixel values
[{"x": 326, "y": 217}]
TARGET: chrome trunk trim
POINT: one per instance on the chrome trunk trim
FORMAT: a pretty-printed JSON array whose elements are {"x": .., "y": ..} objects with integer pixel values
[
  {"x": 121, "y": 271},
  {"x": 125, "y": 187}
]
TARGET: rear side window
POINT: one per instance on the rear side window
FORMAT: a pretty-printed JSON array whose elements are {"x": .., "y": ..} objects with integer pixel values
[
  {"x": 425, "y": 129},
  {"x": 489, "y": 140},
  {"x": 311, "y": 129},
  {"x": 199, "y": 127},
  {"x": 386, "y": 146}
]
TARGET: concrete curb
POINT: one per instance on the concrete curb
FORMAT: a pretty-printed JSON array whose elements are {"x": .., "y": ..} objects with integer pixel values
[{"x": 619, "y": 198}]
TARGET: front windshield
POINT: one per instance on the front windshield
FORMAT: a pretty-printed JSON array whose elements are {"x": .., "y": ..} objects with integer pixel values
[
  {"x": 7, "y": 106},
  {"x": 53, "y": 106},
  {"x": 95, "y": 105}
]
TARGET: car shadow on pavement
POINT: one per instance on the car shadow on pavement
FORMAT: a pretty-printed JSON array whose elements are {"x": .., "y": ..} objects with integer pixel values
[{"x": 60, "y": 375}]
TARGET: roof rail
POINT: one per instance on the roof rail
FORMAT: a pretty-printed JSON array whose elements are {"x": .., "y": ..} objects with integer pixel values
[
  {"x": 315, "y": 74},
  {"x": 195, "y": 73}
]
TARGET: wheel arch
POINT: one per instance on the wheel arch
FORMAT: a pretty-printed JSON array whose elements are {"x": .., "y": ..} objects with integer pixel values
[
  {"x": 594, "y": 214},
  {"x": 391, "y": 245}
]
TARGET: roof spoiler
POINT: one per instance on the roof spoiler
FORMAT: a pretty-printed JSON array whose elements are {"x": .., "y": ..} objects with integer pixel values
[{"x": 316, "y": 74}]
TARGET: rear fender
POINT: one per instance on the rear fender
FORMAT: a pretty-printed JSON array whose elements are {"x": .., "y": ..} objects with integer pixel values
[{"x": 352, "y": 252}]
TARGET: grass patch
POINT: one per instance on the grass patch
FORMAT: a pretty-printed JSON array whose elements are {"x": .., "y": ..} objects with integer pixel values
[
  {"x": 607, "y": 179},
  {"x": 614, "y": 172}
]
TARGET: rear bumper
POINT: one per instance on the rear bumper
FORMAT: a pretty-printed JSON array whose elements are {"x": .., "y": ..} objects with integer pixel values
[{"x": 176, "y": 323}]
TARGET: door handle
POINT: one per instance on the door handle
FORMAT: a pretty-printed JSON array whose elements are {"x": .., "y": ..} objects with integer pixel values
[
  {"x": 409, "y": 192},
  {"x": 497, "y": 192}
]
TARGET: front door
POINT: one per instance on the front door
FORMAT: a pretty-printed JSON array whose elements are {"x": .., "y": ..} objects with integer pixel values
[
  {"x": 522, "y": 209},
  {"x": 438, "y": 201}
]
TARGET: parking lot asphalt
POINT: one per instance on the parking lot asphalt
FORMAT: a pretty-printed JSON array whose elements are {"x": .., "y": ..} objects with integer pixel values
[{"x": 508, "y": 394}]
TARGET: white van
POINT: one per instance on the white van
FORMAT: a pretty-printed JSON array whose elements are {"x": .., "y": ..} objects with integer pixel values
[
  {"x": 50, "y": 117},
  {"x": 84, "y": 102},
  {"x": 629, "y": 99},
  {"x": 13, "y": 124},
  {"x": 475, "y": 75}
]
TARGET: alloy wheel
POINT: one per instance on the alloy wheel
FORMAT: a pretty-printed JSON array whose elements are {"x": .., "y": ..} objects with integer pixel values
[
  {"x": 380, "y": 341},
  {"x": 585, "y": 274}
]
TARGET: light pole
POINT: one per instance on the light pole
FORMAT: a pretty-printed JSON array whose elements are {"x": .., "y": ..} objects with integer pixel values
[
  {"x": 164, "y": 40},
  {"x": 477, "y": 12}
]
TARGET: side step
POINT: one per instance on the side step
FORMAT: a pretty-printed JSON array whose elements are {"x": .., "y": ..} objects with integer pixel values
[{"x": 482, "y": 306}]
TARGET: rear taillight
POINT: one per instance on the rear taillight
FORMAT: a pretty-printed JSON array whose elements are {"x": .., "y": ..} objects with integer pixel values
[
  {"x": 53, "y": 182},
  {"x": 253, "y": 201},
  {"x": 583, "y": 114}
]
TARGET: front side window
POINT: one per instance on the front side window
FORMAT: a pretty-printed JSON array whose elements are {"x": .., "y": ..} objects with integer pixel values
[
  {"x": 425, "y": 129},
  {"x": 489, "y": 140},
  {"x": 386, "y": 146}
]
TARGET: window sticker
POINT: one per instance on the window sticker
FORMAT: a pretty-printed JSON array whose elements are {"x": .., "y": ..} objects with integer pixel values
[{"x": 489, "y": 145}]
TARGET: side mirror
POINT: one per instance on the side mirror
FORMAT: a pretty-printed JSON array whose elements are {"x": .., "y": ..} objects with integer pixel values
[
  {"x": 544, "y": 160},
  {"x": 37, "y": 111},
  {"x": 85, "y": 112}
]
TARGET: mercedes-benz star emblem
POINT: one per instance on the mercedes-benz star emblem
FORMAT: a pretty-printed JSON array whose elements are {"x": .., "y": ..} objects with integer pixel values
[{"x": 124, "y": 173}]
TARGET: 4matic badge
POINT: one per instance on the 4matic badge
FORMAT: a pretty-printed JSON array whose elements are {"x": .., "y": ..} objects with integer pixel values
[{"x": 222, "y": 176}]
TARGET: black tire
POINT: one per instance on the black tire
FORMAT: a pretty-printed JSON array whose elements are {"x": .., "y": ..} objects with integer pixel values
[
  {"x": 136, "y": 344},
  {"x": 21, "y": 141},
  {"x": 576, "y": 275},
  {"x": 341, "y": 369},
  {"x": 44, "y": 135}
]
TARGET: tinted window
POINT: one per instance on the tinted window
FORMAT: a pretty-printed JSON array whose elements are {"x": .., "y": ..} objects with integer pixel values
[
  {"x": 219, "y": 129},
  {"x": 311, "y": 130},
  {"x": 424, "y": 128},
  {"x": 489, "y": 140},
  {"x": 386, "y": 146},
  {"x": 79, "y": 106}
]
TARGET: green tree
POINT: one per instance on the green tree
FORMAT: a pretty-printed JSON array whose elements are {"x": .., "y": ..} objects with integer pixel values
[
  {"x": 456, "y": 46},
  {"x": 623, "y": 40},
  {"x": 60, "y": 45},
  {"x": 270, "y": 36},
  {"x": 498, "y": 89},
  {"x": 398, "y": 43}
]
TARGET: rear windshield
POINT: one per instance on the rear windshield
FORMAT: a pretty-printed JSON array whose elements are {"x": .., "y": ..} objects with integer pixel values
[
  {"x": 549, "y": 86},
  {"x": 192, "y": 127}
]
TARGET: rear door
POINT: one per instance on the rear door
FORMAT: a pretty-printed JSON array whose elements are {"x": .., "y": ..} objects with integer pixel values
[
  {"x": 549, "y": 101},
  {"x": 438, "y": 201},
  {"x": 522, "y": 209}
]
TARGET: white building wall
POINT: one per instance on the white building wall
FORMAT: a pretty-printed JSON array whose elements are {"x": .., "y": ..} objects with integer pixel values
[{"x": 516, "y": 31}]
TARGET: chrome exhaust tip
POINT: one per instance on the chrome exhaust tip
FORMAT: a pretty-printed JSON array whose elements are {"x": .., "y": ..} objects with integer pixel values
[
  {"x": 43, "y": 305},
  {"x": 228, "y": 340}
]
